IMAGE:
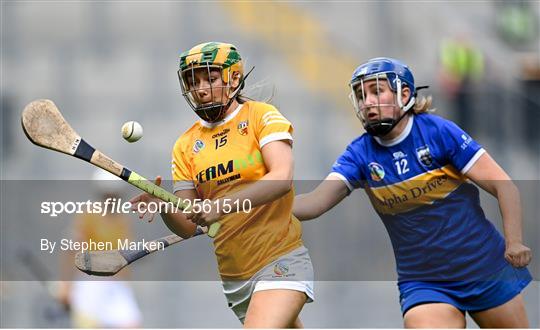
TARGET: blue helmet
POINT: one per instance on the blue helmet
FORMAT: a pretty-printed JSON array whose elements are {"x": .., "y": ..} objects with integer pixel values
[
  {"x": 389, "y": 66},
  {"x": 398, "y": 76}
]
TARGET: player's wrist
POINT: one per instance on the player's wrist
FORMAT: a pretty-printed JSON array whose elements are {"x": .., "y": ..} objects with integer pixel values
[{"x": 513, "y": 241}]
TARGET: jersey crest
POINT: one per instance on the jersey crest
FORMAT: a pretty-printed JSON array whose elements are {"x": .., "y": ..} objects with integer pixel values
[{"x": 424, "y": 156}]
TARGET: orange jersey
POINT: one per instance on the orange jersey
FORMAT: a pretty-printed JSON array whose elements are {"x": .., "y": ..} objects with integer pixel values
[{"x": 218, "y": 159}]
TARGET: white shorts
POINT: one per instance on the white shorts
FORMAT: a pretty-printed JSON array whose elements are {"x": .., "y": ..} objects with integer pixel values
[
  {"x": 101, "y": 304},
  {"x": 292, "y": 271}
]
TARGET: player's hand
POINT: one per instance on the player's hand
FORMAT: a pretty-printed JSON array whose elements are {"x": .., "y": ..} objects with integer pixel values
[
  {"x": 140, "y": 203},
  {"x": 204, "y": 215},
  {"x": 517, "y": 254}
]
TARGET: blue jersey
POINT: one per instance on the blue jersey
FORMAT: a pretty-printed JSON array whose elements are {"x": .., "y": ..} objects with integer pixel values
[{"x": 416, "y": 184}]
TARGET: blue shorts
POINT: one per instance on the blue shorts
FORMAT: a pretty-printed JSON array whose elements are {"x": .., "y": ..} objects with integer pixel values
[{"x": 467, "y": 296}]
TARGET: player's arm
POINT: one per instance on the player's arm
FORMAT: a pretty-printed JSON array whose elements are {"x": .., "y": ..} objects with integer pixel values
[
  {"x": 487, "y": 174},
  {"x": 278, "y": 159},
  {"x": 328, "y": 194},
  {"x": 176, "y": 220}
]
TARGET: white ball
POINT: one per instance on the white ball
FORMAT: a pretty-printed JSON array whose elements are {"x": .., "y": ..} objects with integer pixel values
[{"x": 132, "y": 131}]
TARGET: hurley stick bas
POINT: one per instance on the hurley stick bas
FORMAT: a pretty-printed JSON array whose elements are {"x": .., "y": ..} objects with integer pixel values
[
  {"x": 45, "y": 126},
  {"x": 110, "y": 262}
]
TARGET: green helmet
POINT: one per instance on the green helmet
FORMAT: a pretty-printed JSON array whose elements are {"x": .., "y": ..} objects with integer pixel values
[
  {"x": 214, "y": 54},
  {"x": 210, "y": 55}
]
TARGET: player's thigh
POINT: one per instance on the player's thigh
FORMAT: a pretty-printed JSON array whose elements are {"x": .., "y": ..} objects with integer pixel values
[
  {"x": 511, "y": 314},
  {"x": 277, "y": 308},
  {"x": 434, "y": 315}
]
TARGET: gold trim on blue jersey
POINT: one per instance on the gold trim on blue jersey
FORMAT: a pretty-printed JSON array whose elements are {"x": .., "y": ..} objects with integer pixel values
[{"x": 423, "y": 189}]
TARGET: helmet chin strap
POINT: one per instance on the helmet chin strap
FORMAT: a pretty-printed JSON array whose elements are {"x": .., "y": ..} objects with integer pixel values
[
  {"x": 383, "y": 126},
  {"x": 211, "y": 113}
]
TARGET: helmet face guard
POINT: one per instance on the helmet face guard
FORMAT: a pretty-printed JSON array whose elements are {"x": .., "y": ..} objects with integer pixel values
[
  {"x": 211, "y": 56},
  {"x": 380, "y": 126},
  {"x": 397, "y": 75},
  {"x": 213, "y": 111}
]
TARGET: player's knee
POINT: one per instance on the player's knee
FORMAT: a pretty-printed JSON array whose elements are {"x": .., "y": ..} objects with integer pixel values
[{"x": 278, "y": 308}]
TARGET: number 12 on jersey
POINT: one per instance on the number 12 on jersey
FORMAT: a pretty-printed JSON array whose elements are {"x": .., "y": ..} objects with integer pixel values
[{"x": 402, "y": 166}]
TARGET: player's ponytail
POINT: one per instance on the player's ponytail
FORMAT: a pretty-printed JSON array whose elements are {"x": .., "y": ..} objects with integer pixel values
[
  {"x": 423, "y": 105},
  {"x": 256, "y": 93}
]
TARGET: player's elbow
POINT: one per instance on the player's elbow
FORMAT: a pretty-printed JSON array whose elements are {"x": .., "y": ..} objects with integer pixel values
[
  {"x": 506, "y": 187},
  {"x": 283, "y": 186},
  {"x": 283, "y": 180},
  {"x": 287, "y": 185},
  {"x": 307, "y": 215}
]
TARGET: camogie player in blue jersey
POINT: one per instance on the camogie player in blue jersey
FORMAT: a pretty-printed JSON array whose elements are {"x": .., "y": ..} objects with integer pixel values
[{"x": 417, "y": 169}]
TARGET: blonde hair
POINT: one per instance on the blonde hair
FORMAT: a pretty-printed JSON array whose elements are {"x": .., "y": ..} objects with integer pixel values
[{"x": 422, "y": 105}]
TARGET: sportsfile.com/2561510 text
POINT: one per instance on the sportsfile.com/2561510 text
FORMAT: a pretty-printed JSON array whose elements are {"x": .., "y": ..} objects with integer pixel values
[{"x": 117, "y": 206}]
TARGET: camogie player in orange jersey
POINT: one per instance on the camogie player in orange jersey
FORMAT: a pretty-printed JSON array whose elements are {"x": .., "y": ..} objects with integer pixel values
[{"x": 235, "y": 165}]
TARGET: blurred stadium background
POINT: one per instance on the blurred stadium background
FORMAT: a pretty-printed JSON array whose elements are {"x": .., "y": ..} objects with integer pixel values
[{"x": 104, "y": 63}]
